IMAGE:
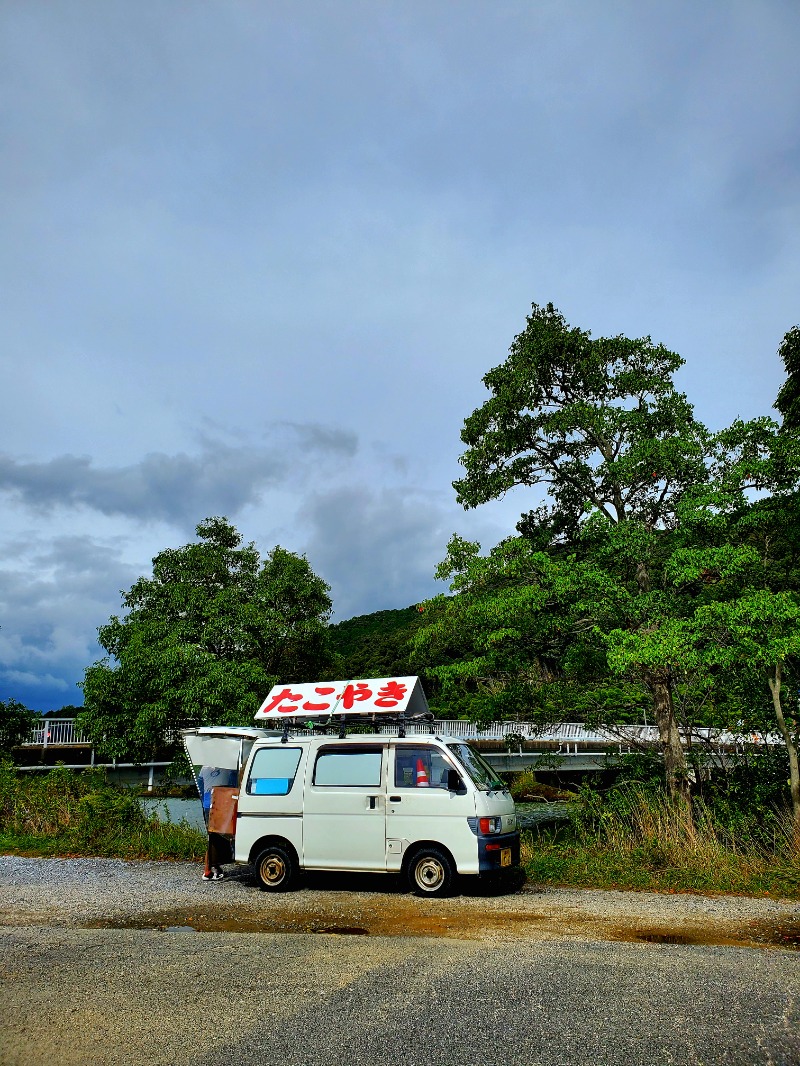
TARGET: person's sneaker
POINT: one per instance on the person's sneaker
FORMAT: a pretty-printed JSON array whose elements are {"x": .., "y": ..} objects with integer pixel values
[
  {"x": 208, "y": 877},
  {"x": 217, "y": 875}
]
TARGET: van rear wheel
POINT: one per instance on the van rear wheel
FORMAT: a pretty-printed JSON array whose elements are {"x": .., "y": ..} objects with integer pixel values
[
  {"x": 275, "y": 869},
  {"x": 431, "y": 873}
]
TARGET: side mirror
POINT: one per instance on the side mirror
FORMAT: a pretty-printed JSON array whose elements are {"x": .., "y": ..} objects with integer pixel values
[{"x": 454, "y": 782}]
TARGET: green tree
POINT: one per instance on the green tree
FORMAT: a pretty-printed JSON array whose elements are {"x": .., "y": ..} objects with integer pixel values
[
  {"x": 375, "y": 645},
  {"x": 743, "y": 567},
  {"x": 16, "y": 722},
  {"x": 788, "y": 401},
  {"x": 761, "y": 629},
  {"x": 203, "y": 641},
  {"x": 515, "y": 640},
  {"x": 69, "y": 710},
  {"x": 600, "y": 426},
  {"x": 734, "y": 565}
]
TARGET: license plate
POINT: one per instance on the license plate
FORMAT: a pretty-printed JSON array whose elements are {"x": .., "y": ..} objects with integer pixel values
[{"x": 505, "y": 857}]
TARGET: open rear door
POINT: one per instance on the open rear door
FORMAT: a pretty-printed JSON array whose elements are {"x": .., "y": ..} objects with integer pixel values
[{"x": 217, "y": 755}]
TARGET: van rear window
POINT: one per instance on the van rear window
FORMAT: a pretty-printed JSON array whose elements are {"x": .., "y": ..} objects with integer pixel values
[{"x": 273, "y": 771}]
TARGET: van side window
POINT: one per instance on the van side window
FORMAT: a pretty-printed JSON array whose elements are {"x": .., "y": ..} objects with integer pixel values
[
  {"x": 354, "y": 767},
  {"x": 419, "y": 767},
  {"x": 273, "y": 771}
]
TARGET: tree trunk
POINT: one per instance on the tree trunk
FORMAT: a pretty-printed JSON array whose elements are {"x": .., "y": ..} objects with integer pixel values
[
  {"x": 675, "y": 767},
  {"x": 660, "y": 684},
  {"x": 791, "y": 750}
]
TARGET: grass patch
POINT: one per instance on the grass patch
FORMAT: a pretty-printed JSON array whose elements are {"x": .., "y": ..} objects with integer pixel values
[
  {"x": 638, "y": 839},
  {"x": 68, "y": 813}
]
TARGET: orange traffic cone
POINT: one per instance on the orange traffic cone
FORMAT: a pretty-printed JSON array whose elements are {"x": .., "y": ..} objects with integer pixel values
[{"x": 422, "y": 775}]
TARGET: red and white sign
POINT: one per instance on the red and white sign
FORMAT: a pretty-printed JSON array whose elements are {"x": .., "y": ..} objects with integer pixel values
[{"x": 376, "y": 695}]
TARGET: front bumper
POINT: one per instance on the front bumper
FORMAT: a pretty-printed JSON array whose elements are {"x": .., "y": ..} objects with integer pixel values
[{"x": 490, "y": 852}]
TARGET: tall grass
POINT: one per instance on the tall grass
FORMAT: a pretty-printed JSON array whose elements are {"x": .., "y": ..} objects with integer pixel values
[
  {"x": 634, "y": 837},
  {"x": 67, "y": 813}
]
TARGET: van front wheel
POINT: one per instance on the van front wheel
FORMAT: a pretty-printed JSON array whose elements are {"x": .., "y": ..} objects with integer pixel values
[
  {"x": 431, "y": 873},
  {"x": 275, "y": 869}
]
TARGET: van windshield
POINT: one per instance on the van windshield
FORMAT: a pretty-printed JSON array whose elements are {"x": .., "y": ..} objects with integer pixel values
[{"x": 483, "y": 776}]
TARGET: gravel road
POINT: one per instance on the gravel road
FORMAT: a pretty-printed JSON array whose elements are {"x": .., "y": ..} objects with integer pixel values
[
  {"x": 114, "y": 893},
  {"x": 104, "y": 963}
]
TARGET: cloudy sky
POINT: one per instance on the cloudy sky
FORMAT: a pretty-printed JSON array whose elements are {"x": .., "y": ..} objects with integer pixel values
[{"x": 256, "y": 257}]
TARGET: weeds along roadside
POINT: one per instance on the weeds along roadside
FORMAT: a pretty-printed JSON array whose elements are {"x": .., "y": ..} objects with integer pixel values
[
  {"x": 635, "y": 836},
  {"x": 64, "y": 812}
]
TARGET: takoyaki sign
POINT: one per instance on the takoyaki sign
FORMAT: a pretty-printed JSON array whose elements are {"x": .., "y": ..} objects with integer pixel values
[{"x": 376, "y": 695}]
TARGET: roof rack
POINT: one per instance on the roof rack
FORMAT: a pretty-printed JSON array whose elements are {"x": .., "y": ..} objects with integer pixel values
[{"x": 400, "y": 720}]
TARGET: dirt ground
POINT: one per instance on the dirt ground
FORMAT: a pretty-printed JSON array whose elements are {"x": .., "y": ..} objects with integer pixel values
[{"x": 95, "y": 893}]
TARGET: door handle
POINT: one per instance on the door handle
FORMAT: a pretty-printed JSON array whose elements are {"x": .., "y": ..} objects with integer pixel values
[
  {"x": 395, "y": 799},
  {"x": 372, "y": 800}
]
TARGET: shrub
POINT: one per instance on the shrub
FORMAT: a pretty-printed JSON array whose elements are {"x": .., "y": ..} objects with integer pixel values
[{"x": 67, "y": 812}]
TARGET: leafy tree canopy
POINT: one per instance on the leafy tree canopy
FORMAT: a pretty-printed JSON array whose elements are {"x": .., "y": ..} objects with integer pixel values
[
  {"x": 662, "y": 560},
  {"x": 788, "y": 401},
  {"x": 69, "y": 710},
  {"x": 203, "y": 640},
  {"x": 518, "y": 639},
  {"x": 16, "y": 722},
  {"x": 600, "y": 426},
  {"x": 375, "y": 645},
  {"x": 598, "y": 423}
]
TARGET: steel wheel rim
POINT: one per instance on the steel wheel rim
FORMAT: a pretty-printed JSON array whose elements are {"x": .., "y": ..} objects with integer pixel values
[
  {"x": 429, "y": 874},
  {"x": 273, "y": 869}
]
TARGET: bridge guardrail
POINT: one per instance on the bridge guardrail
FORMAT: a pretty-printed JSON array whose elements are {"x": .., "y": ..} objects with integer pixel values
[
  {"x": 572, "y": 736},
  {"x": 62, "y": 732}
]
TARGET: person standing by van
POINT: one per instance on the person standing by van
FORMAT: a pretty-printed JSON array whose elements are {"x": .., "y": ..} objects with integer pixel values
[{"x": 218, "y": 850}]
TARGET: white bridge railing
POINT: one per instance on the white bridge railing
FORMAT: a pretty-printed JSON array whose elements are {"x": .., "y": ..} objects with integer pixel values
[
  {"x": 576, "y": 736},
  {"x": 62, "y": 732},
  {"x": 566, "y": 736}
]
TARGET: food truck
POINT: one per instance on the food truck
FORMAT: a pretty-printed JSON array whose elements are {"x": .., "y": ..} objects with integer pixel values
[{"x": 389, "y": 799}]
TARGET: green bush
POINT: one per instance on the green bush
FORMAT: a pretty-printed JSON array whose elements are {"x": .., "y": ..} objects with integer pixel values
[
  {"x": 524, "y": 785},
  {"x": 64, "y": 812}
]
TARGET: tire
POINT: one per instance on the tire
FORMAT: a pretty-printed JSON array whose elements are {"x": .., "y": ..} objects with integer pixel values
[
  {"x": 275, "y": 869},
  {"x": 431, "y": 873}
]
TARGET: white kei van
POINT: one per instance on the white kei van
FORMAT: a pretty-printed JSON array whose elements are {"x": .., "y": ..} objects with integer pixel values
[{"x": 427, "y": 807}]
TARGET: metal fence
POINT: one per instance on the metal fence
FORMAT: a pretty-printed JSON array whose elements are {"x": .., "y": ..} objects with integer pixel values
[
  {"x": 62, "y": 732},
  {"x": 567, "y": 736}
]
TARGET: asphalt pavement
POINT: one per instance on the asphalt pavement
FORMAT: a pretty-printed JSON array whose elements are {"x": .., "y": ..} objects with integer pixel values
[{"x": 144, "y": 996}]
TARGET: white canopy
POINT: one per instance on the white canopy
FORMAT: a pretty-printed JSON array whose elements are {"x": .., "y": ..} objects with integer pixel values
[{"x": 375, "y": 695}]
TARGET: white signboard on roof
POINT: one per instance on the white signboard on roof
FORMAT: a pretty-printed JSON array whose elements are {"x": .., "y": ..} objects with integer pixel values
[{"x": 375, "y": 695}]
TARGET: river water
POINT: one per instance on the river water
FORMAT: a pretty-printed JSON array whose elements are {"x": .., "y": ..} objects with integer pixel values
[{"x": 176, "y": 810}]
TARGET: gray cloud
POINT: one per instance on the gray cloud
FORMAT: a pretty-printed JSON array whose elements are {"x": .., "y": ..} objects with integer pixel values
[
  {"x": 325, "y": 439},
  {"x": 177, "y": 488},
  {"x": 174, "y": 488},
  {"x": 51, "y": 604},
  {"x": 376, "y": 549}
]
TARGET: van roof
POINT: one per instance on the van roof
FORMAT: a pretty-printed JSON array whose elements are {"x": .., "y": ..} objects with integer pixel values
[{"x": 365, "y": 738}]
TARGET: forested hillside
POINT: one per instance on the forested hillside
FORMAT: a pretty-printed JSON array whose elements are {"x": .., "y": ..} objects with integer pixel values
[{"x": 375, "y": 645}]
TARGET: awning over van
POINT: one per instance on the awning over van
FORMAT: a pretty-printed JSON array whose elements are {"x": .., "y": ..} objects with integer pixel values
[{"x": 375, "y": 695}]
